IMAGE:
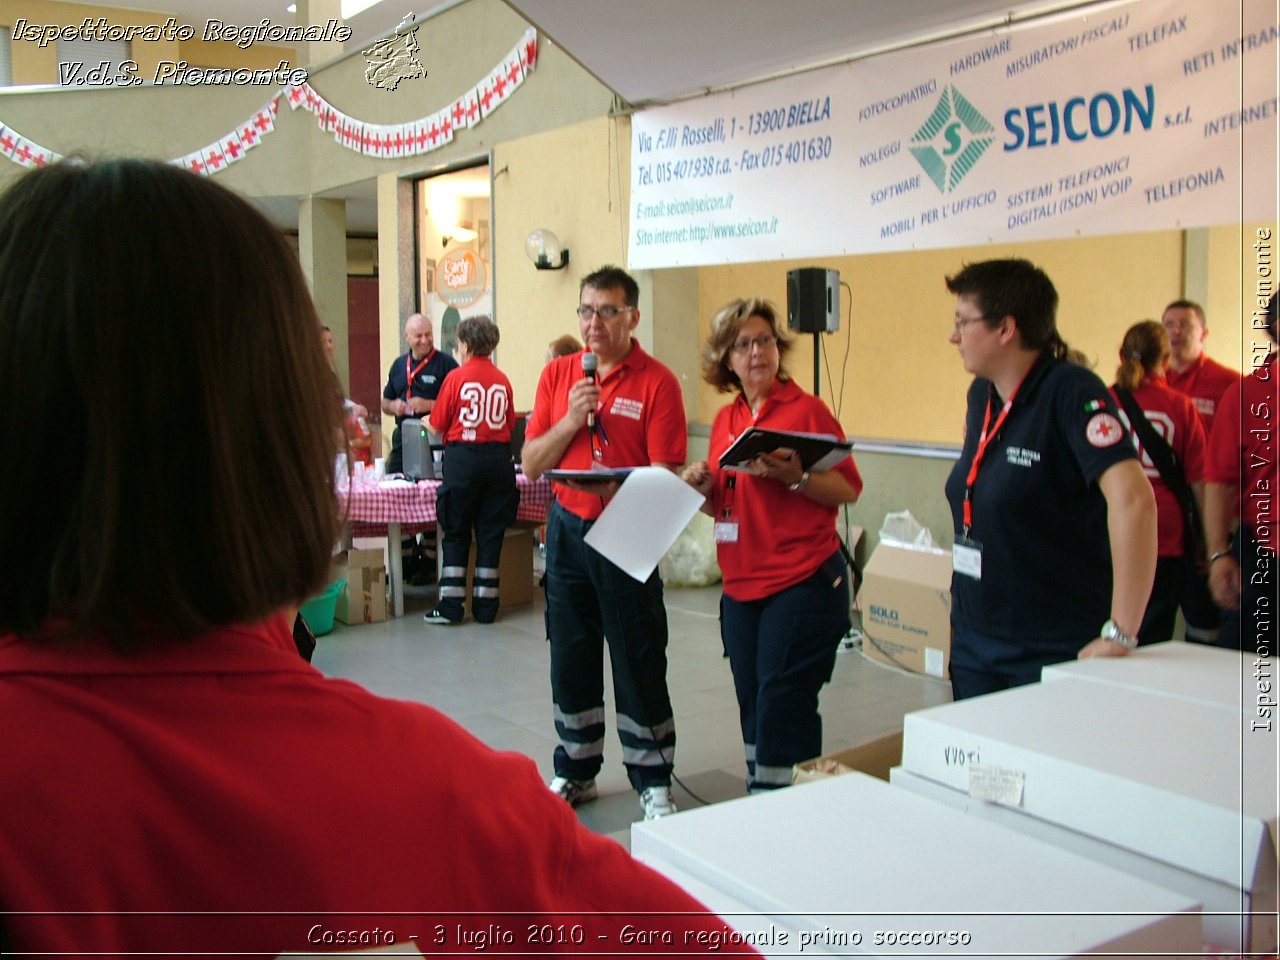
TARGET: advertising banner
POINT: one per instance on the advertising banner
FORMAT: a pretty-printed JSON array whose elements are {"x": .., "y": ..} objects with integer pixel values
[{"x": 1137, "y": 116}]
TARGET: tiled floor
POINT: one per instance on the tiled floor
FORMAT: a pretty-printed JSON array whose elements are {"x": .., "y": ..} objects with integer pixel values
[{"x": 493, "y": 680}]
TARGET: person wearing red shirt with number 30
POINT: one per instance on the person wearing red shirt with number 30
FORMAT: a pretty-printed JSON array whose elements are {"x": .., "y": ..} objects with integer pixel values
[{"x": 473, "y": 415}]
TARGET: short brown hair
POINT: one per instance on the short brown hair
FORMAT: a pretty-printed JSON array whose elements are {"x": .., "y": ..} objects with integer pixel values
[
  {"x": 480, "y": 334},
  {"x": 725, "y": 326},
  {"x": 1019, "y": 289},
  {"x": 161, "y": 366},
  {"x": 564, "y": 346}
]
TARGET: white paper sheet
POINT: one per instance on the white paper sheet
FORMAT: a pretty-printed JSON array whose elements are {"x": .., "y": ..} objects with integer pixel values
[{"x": 643, "y": 520}]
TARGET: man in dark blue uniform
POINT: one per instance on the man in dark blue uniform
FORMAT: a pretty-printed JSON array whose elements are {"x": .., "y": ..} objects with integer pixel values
[{"x": 413, "y": 382}]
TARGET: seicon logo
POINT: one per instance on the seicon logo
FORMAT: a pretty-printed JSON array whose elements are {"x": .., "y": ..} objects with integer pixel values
[
  {"x": 394, "y": 58},
  {"x": 952, "y": 140}
]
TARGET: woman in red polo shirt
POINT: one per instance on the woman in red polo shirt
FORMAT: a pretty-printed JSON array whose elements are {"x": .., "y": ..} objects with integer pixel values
[
  {"x": 786, "y": 593},
  {"x": 1144, "y": 358}
]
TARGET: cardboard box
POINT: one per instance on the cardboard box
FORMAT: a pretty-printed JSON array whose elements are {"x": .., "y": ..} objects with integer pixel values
[
  {"x": 906, "y": 609},
  {"x": 1168, "y": 790},
  {"x": 515, "y": 569},
  {"x": 853, "y": 856},
  {"x": 873, "y": 757},
  {"x": 365, "y": 598}
]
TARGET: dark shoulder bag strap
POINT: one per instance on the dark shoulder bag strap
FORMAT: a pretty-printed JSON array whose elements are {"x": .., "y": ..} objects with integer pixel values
[
  {"x": 1156, "y": 447},
  {"x": 1165, "y": 460}
]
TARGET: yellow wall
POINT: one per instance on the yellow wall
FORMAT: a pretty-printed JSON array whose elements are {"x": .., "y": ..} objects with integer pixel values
[
  {"x": 1231, "y": 286},
  {"x": 904, "y": 380},
  {"x": 564, "y": 180},
  {"x": 33, "y": 64},
  {"x": 561, "y": 161}
]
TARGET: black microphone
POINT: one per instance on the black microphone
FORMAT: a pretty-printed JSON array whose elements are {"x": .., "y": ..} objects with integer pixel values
[{"x": 590, "y": 363}]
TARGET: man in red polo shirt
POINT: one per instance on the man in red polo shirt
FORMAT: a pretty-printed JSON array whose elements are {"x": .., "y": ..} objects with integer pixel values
[
  {"x": 1194, "y": 373},
  {"x": 1241, "y": 482},
  {"x": 629, "y": 413},
  {"x": 1191, "y": 370}
]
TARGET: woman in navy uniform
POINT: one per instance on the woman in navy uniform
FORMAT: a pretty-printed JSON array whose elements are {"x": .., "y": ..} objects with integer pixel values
[{"x": 1055, "y": 523}]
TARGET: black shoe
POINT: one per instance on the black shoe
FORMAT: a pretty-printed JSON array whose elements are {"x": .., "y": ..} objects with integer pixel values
[{"x": 435, "y": 616}]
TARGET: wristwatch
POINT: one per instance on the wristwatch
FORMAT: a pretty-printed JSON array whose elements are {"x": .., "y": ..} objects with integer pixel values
[
  {"x": 1111, "y": 631},
  {"x": 801, "y": 483}
]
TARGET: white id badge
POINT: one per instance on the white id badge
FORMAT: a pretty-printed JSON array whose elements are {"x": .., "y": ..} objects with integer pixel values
[
  {"x": 726, "y": 531},
  {"x": 966, "y": 559}
]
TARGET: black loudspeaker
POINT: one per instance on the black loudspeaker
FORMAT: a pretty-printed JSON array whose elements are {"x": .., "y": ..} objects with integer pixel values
[
  {"x": 415, "y": 450},
  {"x": 813, "y": 300}
]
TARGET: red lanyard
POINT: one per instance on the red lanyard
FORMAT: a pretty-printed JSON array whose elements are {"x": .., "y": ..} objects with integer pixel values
[
  {"x": 731, "y": 478},
  {"x": 984, "y": 440},
  {"x": 408, "y": 376}
]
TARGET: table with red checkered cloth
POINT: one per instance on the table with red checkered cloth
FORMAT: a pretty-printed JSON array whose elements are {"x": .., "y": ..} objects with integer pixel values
[
  {"x": 373, "y": 507},
  {"x": 392, "y": 509}
]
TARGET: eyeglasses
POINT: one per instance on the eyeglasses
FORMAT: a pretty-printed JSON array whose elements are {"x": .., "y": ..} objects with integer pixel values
[
  {"x": 604, "y": 313},
  {"x": 744, "y": 345},
  {"x": 961, "y": 322}
]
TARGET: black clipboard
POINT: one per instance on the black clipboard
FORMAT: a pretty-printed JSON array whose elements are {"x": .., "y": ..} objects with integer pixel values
[{"x": 817, "y": 451}]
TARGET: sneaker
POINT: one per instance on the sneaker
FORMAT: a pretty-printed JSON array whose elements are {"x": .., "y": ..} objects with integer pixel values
[
  {"x": 574, "y": 792},
  {"x": 435, "y": 616},
  {"x": 656, "y": 802}
]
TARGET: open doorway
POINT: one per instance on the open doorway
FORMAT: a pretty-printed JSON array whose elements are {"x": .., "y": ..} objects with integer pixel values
[{"x": 452, "y": 233}]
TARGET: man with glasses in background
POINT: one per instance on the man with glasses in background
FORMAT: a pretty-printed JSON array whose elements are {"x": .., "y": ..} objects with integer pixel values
[
  {"x": 1194, "y": 373},
  {"x": 1191, "y": 370},
  {"x": 621, "y": 408}
]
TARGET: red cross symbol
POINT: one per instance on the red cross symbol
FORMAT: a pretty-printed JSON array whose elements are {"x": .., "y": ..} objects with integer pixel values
[
  {"x": 368, "y": 140},
  {"x": 500, "y": 86},
  {"x": 41, "y": 159},
  {"x": 399, "y": 141},
  {"x": 313, "y": 99},
  {"x": 249, "y": 137},
  {"x": 7, "y": 143},
  {"x": 530, "y": 53},
  {"x": 459, "y": 113},
  {"x": 261, "y": 120},
  {"x": 233, "y": 148},
  {"x": 24, "y": 152},
  {"x": 196, "y": 166},
  {"x": 295, "y": 95},
  {"x": 215, "y": 159},
  {"x": 486, "y": 98},
  {"x": 513, "y": 73},
  {"x": 422, "y": 137}
]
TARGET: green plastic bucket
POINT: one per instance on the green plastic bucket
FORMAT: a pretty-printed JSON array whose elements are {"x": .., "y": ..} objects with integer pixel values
[{"x": 319, "y": 610}]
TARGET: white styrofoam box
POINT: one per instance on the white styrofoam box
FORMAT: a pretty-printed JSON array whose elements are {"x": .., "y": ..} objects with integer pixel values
[
  {"x": 1186, "y": 671},
  {"x": 853, "y": 855},
  {"x": 773, "y": 936},
  {"x": 1175, "y": 782}
]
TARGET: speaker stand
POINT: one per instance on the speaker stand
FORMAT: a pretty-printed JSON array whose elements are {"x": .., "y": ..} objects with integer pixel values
[{"x": 817, "y": 351}]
